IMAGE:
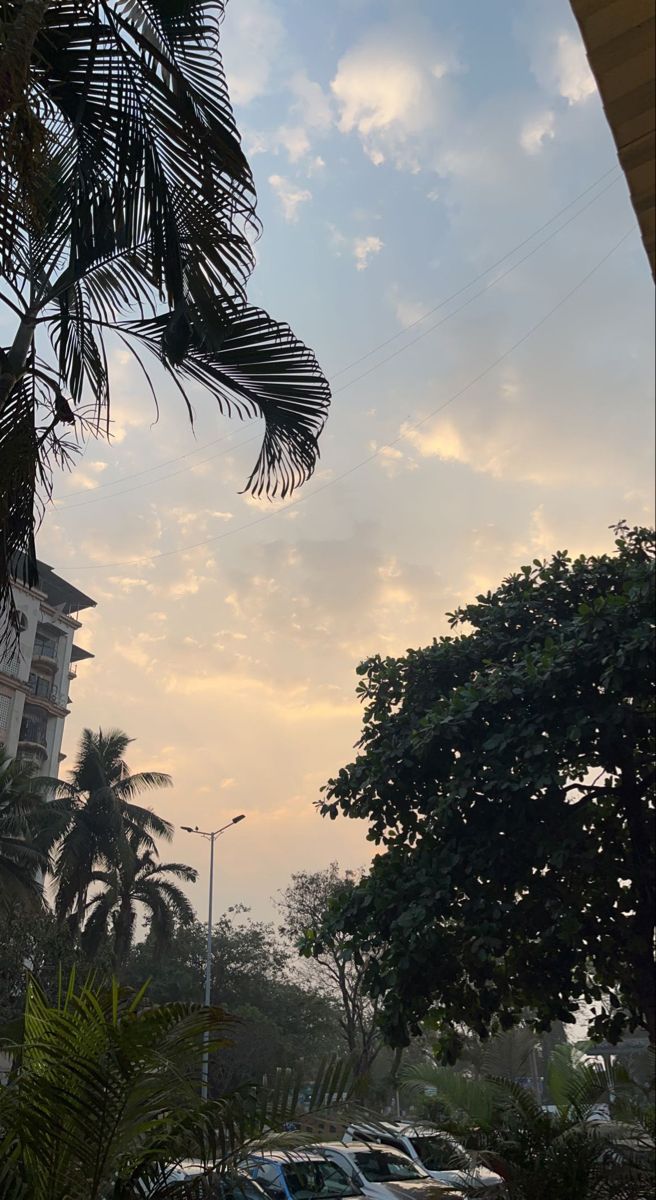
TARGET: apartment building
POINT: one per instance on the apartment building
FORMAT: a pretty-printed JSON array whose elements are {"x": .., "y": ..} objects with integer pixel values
[{"x": 35, "y": 681}]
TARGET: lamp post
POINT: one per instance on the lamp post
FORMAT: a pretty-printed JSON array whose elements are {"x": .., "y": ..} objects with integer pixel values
[{"x": 211, "y": 838}]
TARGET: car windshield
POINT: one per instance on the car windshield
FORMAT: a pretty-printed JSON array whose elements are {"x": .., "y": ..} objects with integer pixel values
[
  {"x": 311, "y": 1178},
  {"x": 378, "y": 1166},
  {"x": 439, "y": 1152}
]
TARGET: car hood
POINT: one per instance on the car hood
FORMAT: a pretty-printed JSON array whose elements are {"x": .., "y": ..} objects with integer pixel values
[
  {"x": 412, "y": 1189},
  {"x": 479, "y": 1175}
]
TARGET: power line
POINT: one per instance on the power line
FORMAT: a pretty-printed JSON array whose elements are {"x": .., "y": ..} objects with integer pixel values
[
  {"x": 379, "y": 450},
  {"x": 381, "y": 362},
  {"x": 157, "y": 467},
  {"x": 497, "y": 279},
  {"x": 454, "y": 295},
  {"x": 160, "y": 478},
  {"x": 388, "y": 341}
]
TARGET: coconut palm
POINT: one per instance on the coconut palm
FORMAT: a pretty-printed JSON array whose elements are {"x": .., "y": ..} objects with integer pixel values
[
  {"x": 139, "y": 879},
  {"x": 127, "y": 208},
  {"x": 23, "y": 858},
  {"x": 99, "y": 817}
]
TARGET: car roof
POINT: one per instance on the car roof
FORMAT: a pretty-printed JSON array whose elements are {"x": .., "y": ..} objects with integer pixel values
[
  {"x": 286, "y": 1156},
  {"x": 355, "y": 1147}
]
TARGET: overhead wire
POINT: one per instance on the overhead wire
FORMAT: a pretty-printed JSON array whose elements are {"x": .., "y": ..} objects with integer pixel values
[
  {"x": 381, "y": 362},
  {"x": 407, "y": 428},
  {"x": 381, "y": 345}
]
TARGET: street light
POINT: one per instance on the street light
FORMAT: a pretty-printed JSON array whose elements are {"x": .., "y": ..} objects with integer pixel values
[{"x": 211, "y": 838}]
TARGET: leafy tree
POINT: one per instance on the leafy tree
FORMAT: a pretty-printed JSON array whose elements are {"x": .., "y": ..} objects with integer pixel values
[
  {"x": 127, "y": 208},
  {"x": 279, "y": 1021},
  {"x": 561, "y": 1152},
  {"x": 34, "y": 944},
  {"x": 100, "y": 821},
  {"x": 22, "y": 857},
  {"x": 302, "y": 905},
  {"x": 137, "y": 879},
  {"x": 507, "y": 771}
]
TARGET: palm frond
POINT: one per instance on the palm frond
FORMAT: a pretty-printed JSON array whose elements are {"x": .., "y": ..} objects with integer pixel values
[
  {"x": 474, "y": 1100},
  {"x": 257, "y": 367}
]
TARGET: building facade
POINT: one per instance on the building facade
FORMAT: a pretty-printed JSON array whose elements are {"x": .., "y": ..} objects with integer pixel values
[{"x": 36, "y": 677}]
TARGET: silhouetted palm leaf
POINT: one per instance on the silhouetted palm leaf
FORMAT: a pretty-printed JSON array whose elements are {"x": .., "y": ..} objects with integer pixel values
[{"x": 123, "y": 189}]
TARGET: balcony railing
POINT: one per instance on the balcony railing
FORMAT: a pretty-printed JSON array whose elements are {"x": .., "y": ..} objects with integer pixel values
[
  {"x": 44, "y": 648},
  {"x": 34, "y": 731},
  {"x": 46, "y": 690}
]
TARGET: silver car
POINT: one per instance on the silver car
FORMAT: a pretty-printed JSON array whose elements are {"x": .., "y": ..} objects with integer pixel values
[
  {"x": 384, "y": 1173},
  {"x": 438, "y": 1152}
]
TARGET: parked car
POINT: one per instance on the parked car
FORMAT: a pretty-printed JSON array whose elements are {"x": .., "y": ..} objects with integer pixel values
[
  {"x": 300, "y": 1175},
  {"x": 438, "y": 1152},
  {"x": 233, "y": 1186},
  {"x": 385, "y": 1173}
]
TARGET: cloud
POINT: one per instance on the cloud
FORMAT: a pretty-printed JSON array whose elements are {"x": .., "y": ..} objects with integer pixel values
[
  {"x": 364, "y": 248},
  {"x": 251, "y": 44},
  {"x": 290, "y": 195},
  {"x": 574, "y": 78},
  {"x": 559, "y": 61},
  {"x": 311, "y": 104},
  {"x": 440, "y": 439},
  {"x": 537, "y": 131},
  {"x": 388, "y": 89},
  {"x": 294, "y": 140},
  {"x": 408, "y": 312}
]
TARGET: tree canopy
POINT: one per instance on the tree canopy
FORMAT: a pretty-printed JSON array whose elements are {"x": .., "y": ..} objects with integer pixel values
[
  {"x": 280, "y": 1020},
  {"x": 507, "y": 773},
  {"x": 301, "y": 906}
]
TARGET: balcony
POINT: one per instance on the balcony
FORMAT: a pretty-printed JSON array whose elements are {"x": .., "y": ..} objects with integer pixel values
[
  {"x": 45, "y": 652},
  {"x": 43, "y": 689},
  {"x": 34, "y": 734}
]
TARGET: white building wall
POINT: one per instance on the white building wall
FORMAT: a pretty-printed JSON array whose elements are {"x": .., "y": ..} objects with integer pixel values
[{"x": 48, "y": 711}]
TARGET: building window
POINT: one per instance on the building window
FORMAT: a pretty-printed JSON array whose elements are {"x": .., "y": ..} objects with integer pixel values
[
  {"x": 5, "y": 710},
  {"x": 34, "y": 729},
  {"x": 44, "y": 647}
]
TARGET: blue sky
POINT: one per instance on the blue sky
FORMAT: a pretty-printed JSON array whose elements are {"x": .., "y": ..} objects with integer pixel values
[{"x": 399, "y": 150}]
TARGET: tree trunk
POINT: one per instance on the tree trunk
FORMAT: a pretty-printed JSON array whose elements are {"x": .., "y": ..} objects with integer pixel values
[
  {"x": 642, "y": 867},
  {"x": 16, "y": 55},
  {"x": 16, "y": 358}
]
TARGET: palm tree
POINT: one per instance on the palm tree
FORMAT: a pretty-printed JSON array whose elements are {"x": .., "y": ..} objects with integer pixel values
[
  {"x": 100, "y": 818},
  {"x": 127, "y": 206},
  {"x": 107, "y": 1097},
  {"x": 23, "y": 858},
  {"x": 138, "y": 879},
  {"x": 559, "y": 1151}
]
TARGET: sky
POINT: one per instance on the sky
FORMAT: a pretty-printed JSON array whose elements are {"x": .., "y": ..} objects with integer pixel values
[{"x": 442, "y": 157}]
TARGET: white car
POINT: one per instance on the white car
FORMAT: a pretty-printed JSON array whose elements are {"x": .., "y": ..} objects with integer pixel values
[
  {"x": 234, "y": 1186},
  {"x": 384, "y": 1173},
  {"x": 437, "y": 1152}
]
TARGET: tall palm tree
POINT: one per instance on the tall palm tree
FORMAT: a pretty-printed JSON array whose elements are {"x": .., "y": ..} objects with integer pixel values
[
  {"x": 127, "y": 205},
  {"x": 139, "y": 879},
  {"x": 23, "y": 857},
  {"x": 100, "y": 818}
]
